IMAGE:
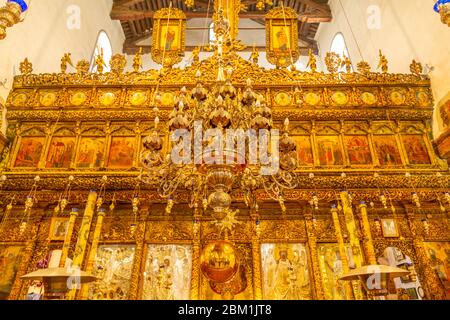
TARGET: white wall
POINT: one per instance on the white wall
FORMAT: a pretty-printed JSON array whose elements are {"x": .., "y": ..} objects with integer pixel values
[
  {"x": 409, "y": 29},
  {"x": 44, "y": 36}
]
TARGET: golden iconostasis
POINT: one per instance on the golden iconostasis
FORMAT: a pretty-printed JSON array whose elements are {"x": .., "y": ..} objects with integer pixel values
[{"x": 369, "y": 186}]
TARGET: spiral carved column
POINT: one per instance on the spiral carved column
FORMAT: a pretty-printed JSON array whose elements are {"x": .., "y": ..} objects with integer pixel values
[
  {"x": 139, "y": 237},
  {"x": 431, "y": 283},
  {"x": 312, "y": 244},
  {"x": 342, "y": 252}
]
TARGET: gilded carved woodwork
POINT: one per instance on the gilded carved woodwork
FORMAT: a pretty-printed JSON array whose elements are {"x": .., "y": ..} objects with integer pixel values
[
  {"x": 169, "y": 33},
  {"x": 281, "y": 36},
  {"x": 354, "y": 114}
]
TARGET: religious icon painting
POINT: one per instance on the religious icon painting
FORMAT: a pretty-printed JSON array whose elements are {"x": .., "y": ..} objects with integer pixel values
[
  {"x": 91, "y": 152},
  {"x": 331, "y": 268},
  {"x": 60, "y": 152},
  {"x": 329, "y": 149},
  {"x": 416, "y": 150},
  {"x": 387, "y": 150},
  {"x": 58, "y": 228},
  {"x": 121, "y": 152},
  {"x": 10, "y": 259},
  {"x": 389, "y": 228},
  {"x": 439, "y": 253},
  {"x": 169, "y": 26},
  {"x": 30, "y": 151},
  {"x": 304, "y": 151},
  {"x": 167, "y": 273},
  {"x": 281, "y": 36},
  {"x": 358, "y": 150},
  {"x": 113, "y": 268},
  {"x": 285, "y": 271},
  {"x": 170, "y": 40}
]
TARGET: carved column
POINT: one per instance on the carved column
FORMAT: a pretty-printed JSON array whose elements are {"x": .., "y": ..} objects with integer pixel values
[
  {"x": 93, "y": 252},
  {"x": 138, "y": 254},
  {"x": 354, "y": 239},
  {"x": 256, "y": 256},
  {"x": 68, "y": 238},
  {"x": 15, "y": 145},
  {"x": 314, "y": 144},
  {"x": 107, "y": 129},
  {"x": 373, "y": 152},
  {"x": 83, "y": 236},
  {"x": 24, "y": 266},
  {"x": 400, "y": 146},
  {"x": 73, "y": 160},
  {"x": 48, "y": 137},
  {"x": 426, "y": 134},
  {"x": 312, "y": 244},
  {"x": 342, "y": 251},
  {"x": 367, "y": 236},
  {"x": 431, "y": 283},
  {"x": 345, "y": 157},
  {"x": 351, "y": 228},
  {"x": 138, "y": 132},
  {"x": 196, "y": 247}
]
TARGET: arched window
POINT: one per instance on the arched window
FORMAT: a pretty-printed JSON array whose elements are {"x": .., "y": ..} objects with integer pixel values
[
  {"x": 104, "y": 43},
  {"x": 339, "y": 46},
  {"x": 212, "y": 34}
]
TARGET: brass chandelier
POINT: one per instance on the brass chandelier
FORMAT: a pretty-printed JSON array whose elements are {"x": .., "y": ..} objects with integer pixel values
[{"x": 213, "y": 175}]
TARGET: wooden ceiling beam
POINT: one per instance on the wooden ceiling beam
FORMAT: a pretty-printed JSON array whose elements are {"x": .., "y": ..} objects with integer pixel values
[
  {"x": 322, "y": 7},
  {"x": 126, "y": 3},
  {"x": 127, "y": 15}
]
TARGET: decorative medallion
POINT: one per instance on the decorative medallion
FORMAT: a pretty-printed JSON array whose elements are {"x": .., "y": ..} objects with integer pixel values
[
  {"x": 219, "y": 261},
  {"x": 368, "y": 98},
  {"x": 107, "y": 99},
  {"x": 138, "y": 98},
  {"x": 78, "y": 98},
  {"x": 283, "y": 99},
  {"x": 168, "y": 99},
  {"x": 423, "y": 98},
  {"x": 19, "y": 100},
  {"x": 282, "y": 37},
  {"x": 312, "y": 98},
  {"x": 397, "y": 98},
  {"x": 340, "y": 98},
  {"x": 47, "y": 99}
]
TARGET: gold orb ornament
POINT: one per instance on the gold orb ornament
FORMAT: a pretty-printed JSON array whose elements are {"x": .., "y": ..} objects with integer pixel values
[
  {"x": 219, "y": 262},
  {"x": 230, "y": 289}
]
